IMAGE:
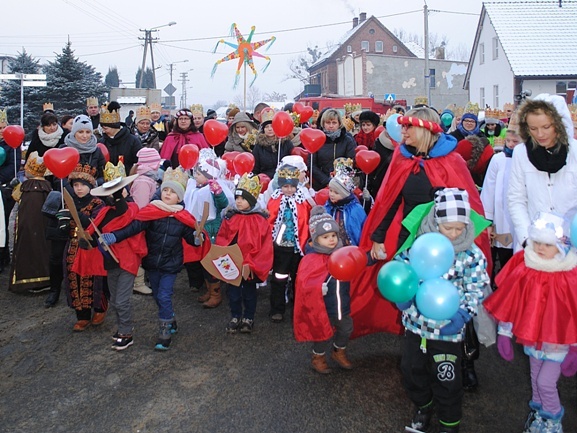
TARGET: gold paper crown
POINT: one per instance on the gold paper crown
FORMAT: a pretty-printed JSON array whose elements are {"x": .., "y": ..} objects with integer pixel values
[
  {"x": 421, "y": 100},
  {"x": 508, "y": 106},
  {"x": 494, "y": 113},
  {"x": 112, "y": 171},
  {"x": 573, "y": 110},
  {"x": 232, "y": 106},
  {"x": 288, "y": 172},
  {"x": 513, "y": 123},
  {"x": 459, "y": 111},
  {"x": 267, "y": 115},
  {"x": 143, "y": 112},
  {"x": 48, "y": 106},
  {"x": 472, "y": 108},
  {"x": 155, "y": 107},
  {"x": 4, "y": 116},
  {"x": 349, "y": 124},
  {"x": 342, "y": 163},
  {"x": 251, "y": 184},
  {"x": 84, "y": 172},
  {"x": 498, "y": 142},
  {"x": 35, "y": 165},
  {"x": 296, "y": 118},
  {"x": 315, "y": 115},
  {"x": 175, "y": 175},
  {"x": 351, "y": 108},
  {"x": 197, "y": 109},
  {"x": 108, "y": 116},
  {"x": 92, "y": 102}
]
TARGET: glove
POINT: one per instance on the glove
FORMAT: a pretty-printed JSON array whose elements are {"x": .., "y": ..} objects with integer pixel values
[
  {"x": 325, "y": 289},
  {"x": 505, "y": 347},
  {"x": 63, "y": 216},
  {"x": 109, "y": 238},
  {"x": 569, "y": 364},
  {"x": 14, "y": 182},
  {"x": 456, "y": 324},
  {"x": 198, "y": 239},
  {"x": 366, "y": 195},
  {"x": 83, "y": 244},
  {"x": 404, "y": 305},
  {"x": 214, "y": 186}
]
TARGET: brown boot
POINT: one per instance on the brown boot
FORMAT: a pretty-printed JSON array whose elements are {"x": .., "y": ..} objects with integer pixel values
[
  {"x": 340, "y": 357},
  {"x": 204, "y": 298},
  {"x": 319, "y": 364},
  {"x": 215, "y": 297}
]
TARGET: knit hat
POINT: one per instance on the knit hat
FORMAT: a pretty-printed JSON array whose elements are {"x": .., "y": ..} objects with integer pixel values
[
  {"x": 470, "y": 116},
  {"x": 80, "y": 123},
  {"x": 209, "y": 168},
  {"x": 249, "y": 188},
  {"x": 176, "y": 180},
  {"x": 148, "y": 158},
  {"x": 452, "y": 205},
  {"x": 211, "y": 114},
  {"x": 288, "y": 175},
  {"x": 552, "y": 229},
  {"x": 342, "y": 181},
  {"x": 321, "y": 223},
  {"x": 370, "y": 116}
]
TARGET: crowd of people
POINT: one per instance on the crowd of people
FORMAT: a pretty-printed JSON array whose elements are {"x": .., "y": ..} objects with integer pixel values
[{"x": 128, "y": 218}]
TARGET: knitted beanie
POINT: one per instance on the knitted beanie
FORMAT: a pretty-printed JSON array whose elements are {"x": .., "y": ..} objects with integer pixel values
[
  {"x": 148, "y": 158},
  {"x": 209, "y": 168},
  {"x": 81, "y": 122},
  {"x": 321, "y": 223},
  {"x": 452, "y": 205},
  {"x": 549, "y": 228}
]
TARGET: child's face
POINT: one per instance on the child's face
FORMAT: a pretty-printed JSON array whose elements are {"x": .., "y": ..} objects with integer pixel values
[
  {"x": 200, "y": 178},
  {"x": 367, "y": 127},
  {"x": 512, "y": 140},
  {"x": 545, "y": 251},
  {"x": 452, "y": 230},
  {"x": 241, "y": 204},
  {"x": 80, "y": 189},
  {"x": 288, "y": 190},
  {"x": 168, "y": 196},
  {"x": 334, "y": 196},
  {"x": 328, "y": 240}
]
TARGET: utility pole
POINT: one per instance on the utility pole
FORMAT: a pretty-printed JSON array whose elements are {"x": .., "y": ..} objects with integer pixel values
[
  {"x": 148, "y": 43},
  {"x": 427, "y": 71},
  {"x": 171, "y": 67},
  {"x": 183, "y": 80}
]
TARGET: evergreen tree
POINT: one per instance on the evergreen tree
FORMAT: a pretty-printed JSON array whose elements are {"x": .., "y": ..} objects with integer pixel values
[
  {"x": 70, "y": 82},
  {"x": 112, "y": 79},
  {"x": 147, "y": 81},
  {"x": 10, "y": 93}
]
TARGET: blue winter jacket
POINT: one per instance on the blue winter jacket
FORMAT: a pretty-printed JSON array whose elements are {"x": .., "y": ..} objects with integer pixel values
[{"x": 353, "y": 213}]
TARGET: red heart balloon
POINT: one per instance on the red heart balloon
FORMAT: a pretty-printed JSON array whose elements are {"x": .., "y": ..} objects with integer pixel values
[
  {"x": 229, "y": 158},
  {"x": 243, "y": 163},
  {"x": 215, "y": 132},
  {"x": 13, "y": 135},
  {"x": 104, "y": 151},
  {"x": 61, "y": 161},
  {"x": 188, "y": 156},
  {"x": 264, "y": 181},
  {"x": 367, "y": 160},
  {"x": 347, "y": 263},
  {"x": 312, "y": 139},
  {"x": 298, "y": 107},
  {"x": 306, "y": 113},
  {"x": 282, "y": 124},
  {"x": 303, "y": 153},
  {"x": 360, "y": 147},
  {"x": 379, "y": 129},
  {"x": 322, "y": 196}
]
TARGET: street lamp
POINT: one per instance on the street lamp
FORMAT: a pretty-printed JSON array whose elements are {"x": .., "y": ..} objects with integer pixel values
[{"x": 148, "y": 42}]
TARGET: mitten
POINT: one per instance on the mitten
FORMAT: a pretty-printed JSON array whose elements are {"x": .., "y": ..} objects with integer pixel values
[
  {"x": 505, "y": 347},
  {"x": 214, "y": 186},
  {"x": 198, "y": 239},
  {"x": 569, "y": 364},
  {"x": 456, "y": 324},
  {"x": 366, "y": 195},
  {"x": 403, "y": 305},
  {"x": 109, "y": 238}
]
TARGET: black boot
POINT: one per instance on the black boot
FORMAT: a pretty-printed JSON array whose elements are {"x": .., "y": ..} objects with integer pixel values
[
  {"x": 422, "y": 417},
  {"x": 56, "y": 277},
  {"x": 470, "y": 381}
]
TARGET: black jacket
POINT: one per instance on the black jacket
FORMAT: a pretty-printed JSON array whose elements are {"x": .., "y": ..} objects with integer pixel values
[
  {"x": 125, "y": 144},
  {"x": 37, "y": 145},
  {"x": 265, "y": 159},
  {"x": 7, "y": 167},
  {"x": 164, "y": 241},
  {"x": 343, "y": 146}
]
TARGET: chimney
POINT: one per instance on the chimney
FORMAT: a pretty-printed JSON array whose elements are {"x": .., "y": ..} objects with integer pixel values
[
  {"x": 355, "y": 22},
  {"x": 362, "y": 17}
]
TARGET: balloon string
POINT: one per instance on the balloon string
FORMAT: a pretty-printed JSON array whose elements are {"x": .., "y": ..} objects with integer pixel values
[
  {"x": 278, "y": 153},
  {"x": 311, "y": 176},
  {"x": 62, "y": 193},
  {"x": 15, "y": 166},
  {"x": 366, "y": 185}
]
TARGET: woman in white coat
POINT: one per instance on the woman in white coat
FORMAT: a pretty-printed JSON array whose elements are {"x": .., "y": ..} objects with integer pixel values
[{"x": 544, "y": 170}]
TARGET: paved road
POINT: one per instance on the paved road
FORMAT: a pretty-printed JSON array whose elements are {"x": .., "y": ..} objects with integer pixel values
[{"x": 54, "y": 380}]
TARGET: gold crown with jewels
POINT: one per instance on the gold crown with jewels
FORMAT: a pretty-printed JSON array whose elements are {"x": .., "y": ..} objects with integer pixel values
[
  {"x": 4, "y": 116},
  {"x": 491, "y": 113},
  {"x": 421, "y": 100},
  {"x": 351, "y": 108},
  {"x": 472, "y": 108},
  {"x": 288, "y": 172},
  {"x": 251, "y": 184},
  {"x": 197, "y": 109},
  {"x": 112, "y": 171},
  {"x": 108, "y": 116},
  {"x": 35, "y": 165},
  {"x": 92, "y": 102}
]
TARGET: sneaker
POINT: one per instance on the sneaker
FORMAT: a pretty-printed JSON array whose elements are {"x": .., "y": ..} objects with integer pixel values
[
  {"x": 422, "y": 417},
  {"x": 115, "y": 336},
  {"x": 246, "y": 326},
  {"x": 162, "y": 345},
  {"x": 173, "y": 327},
  {"x": 233, "y": 325},
  {"x": 122, "y": 342},
  {"x": 276, "y": 318}
]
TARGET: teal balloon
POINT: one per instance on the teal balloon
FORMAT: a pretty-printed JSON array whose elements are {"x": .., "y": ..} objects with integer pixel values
[
  {"x": 397, "y": 281},
  {"x": 2, "y": 155},
  {"x": 447, "y": 119},
  {"x": 393, "y": 128},
  {"x": 437, "y": 299},
  {"x": 431, "y": 255},
  {"x": 573, "y": 231}
]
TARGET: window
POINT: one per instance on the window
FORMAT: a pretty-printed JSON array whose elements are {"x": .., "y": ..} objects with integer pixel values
[
  {"x": 495, "y": 48},
  {"x": 365, "y": 46},
  {"x": 432, "y": 80},
  {"x": 349, "y": 49},
  {"x": 561, "y": 88},
  {"x": 572, "y": 85},
  {"x": 482, "y": 96},
  {"x": 481, "y": 54},
  {"x": 372, "y": 31},
  {"x": 379, "y": 46},
  {"x": 395, "y": 49},
  {"x": 496, "y": 96}
]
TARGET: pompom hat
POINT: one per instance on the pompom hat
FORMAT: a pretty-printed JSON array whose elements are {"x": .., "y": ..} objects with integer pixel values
[{"x": 321, "y": 222}]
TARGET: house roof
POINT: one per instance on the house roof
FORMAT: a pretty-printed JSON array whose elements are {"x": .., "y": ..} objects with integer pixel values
[{"x": 539, "y": 38}]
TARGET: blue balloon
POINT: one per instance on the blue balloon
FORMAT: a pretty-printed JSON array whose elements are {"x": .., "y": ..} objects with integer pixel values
[
  {"x": 573, "y": 231},
  {"x": 438, "y": 299},
  {"x": 431, "y": 255},
  {"x": 393, "y": 128}
]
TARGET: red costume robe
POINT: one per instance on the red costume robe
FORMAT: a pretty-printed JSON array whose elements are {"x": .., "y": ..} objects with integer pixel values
[{"x": 303, "y": 213}]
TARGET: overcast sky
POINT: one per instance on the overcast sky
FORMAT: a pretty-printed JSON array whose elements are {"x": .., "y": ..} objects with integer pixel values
[{"x": 105, "y": 33}]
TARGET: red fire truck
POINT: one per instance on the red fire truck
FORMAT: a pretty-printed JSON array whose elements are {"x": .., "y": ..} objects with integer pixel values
[{"x": 338, "y": 102}]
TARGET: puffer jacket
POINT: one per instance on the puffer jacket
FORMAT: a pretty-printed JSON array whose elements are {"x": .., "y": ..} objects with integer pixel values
[
  {"x": 266, "y": 154},
  {"x": 164, "y": 241},
  {"x": 343, "y": 146},
  {"x": 122, "y": 144}
]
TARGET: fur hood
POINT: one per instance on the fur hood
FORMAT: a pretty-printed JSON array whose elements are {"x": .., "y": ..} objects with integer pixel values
[{"x": 553, "y": 106}]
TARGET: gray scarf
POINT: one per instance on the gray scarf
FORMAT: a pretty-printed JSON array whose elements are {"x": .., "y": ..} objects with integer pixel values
[
  {"x": 52, "y": 139},
  {"x": 325, "y": 250},
  {"x": 462, "y": 243},
  {"x": 88, "y": 147}
]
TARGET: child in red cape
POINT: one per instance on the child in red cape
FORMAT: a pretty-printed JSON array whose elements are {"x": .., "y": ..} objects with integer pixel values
[{"x": 166, "y": 224}]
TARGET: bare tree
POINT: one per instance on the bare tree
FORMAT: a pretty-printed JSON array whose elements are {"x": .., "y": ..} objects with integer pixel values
[
  {"x": 436, "y": 42},
  {"x": 274, "y": 97},
  {"x": 299, "y": 65},
  {"x": 219, "y": 103},
  {"x": 253, "y": 97}
]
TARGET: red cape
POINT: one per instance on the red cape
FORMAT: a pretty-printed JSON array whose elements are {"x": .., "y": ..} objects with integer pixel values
[
  {"x": 370, "y": 311},
  {"x": 310, "y": 318},
  {"x": 129, "y": 251},
  {"x": 541, "y": 305},
  {"x": 252, "y": 234},
  {"x": 191, "y": 253}
]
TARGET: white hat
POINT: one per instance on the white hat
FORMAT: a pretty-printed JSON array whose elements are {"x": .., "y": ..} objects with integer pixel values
[{"x": 294, "y": 160}]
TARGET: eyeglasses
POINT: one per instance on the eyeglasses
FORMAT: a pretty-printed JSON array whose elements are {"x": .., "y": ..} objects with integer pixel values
[
  {"x": 406, "y": 127},
  {"x": 469, "y": 121}
]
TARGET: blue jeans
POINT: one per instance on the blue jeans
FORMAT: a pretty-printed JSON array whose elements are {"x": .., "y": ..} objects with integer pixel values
[
  {"x": 244, "y": 294},
  {"x": 162, "y": 286}
]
